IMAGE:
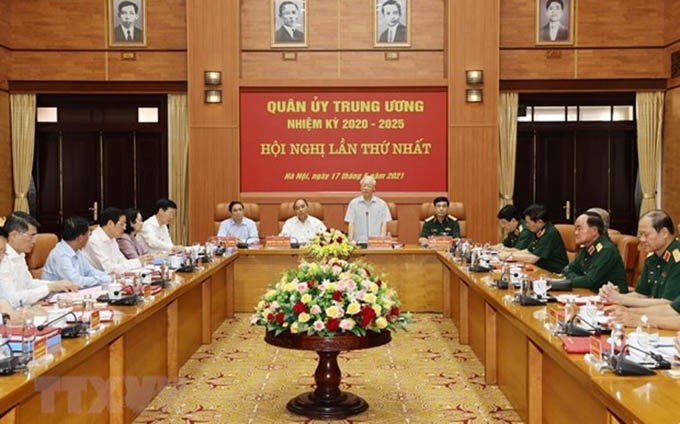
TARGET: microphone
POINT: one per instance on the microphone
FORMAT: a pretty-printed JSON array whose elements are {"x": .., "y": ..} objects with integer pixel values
[
  {"x": 624, "y": 366},
  {"x": 294, "y": 243},
  {"x": 368, "y": 232},
  {"x": 10, "y": 363},
  {"x": 70, "y": 331},
  {"x": 571, "y": 329}
]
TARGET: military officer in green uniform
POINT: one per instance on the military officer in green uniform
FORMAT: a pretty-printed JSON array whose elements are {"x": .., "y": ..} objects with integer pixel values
[
  {"x": 598, "y": 260},
  {"x": 546, "y": 248},
  {"x": 657, "y": 294},
  {"x": 441, "y": 223},
  {"x": 518, "y": 235}
]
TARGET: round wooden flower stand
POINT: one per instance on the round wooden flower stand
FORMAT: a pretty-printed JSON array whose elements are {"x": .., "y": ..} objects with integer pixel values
[{"x": 327, "y": 401}]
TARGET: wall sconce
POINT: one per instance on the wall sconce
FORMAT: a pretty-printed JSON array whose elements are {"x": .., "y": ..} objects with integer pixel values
[
  {"x": 213, "y": 96},
  {"x": 212, "y": 77},
  {"x": 474, "y": 95},
  {"x": 475, "y": 76}
]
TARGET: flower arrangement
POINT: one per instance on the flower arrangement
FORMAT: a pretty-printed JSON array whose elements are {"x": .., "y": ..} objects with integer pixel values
[
  {"x": 323, "y": 298},
  {"x": 327, "y": 244}
]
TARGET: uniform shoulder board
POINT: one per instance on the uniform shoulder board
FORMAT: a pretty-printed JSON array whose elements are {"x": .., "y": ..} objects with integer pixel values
[
  {"x": 599, "y": 246},
  {"x": 676, "y": 255},
  {"x": 429, "y": 219},
  {"x": 453, "y": 217}
]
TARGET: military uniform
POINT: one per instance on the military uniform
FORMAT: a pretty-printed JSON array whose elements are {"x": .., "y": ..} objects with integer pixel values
[
  {"x": 547, "y": 244},
  {"x": 596, "y": 264},
  {"x": 520, "y": 238},
  {"x": 660, "y": 277},
  {"x": 448, "y": 227}
]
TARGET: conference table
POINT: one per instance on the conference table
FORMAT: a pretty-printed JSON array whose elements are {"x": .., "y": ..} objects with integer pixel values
[{"x": 111, "y": 375}]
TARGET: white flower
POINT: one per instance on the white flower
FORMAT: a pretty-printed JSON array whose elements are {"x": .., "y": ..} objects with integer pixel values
[
  {"x": 347, "y": 324},
  {"x": 316, "y": 309},
  {"x": 319, "y": 325}
]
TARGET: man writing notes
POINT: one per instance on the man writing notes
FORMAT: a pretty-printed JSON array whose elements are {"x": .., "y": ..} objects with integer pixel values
[
  {"x": 155, "y": 233},
  {"x": 102, "y": 249},
  {"x": 518, "y": 234},
  {"x": 546, "y": 248},
  {"x": 302, "y": 227},
  {"x": 441, "y": 223},
  {"x": 657, "y": 293},
  {"x": 598, "y": 260},
  {"x": 66, "y": 260},
  {"x": 367, "y": 214}
]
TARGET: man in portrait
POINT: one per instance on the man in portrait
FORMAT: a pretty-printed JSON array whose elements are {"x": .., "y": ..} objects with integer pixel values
[
  {"x": 396, "y": 31},
  {"x": 127, "y": 31},
  {"x": 290, "y": 30},
  {"x": 554, "y": 30}
]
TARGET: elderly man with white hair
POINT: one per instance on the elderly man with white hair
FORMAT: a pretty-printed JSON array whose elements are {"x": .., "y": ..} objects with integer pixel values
[{"x": 367, "y": 215}]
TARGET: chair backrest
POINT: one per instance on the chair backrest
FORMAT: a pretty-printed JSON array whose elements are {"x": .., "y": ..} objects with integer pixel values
[
  {"x": 250, "y": 210},
  {"x": 44, "y": 243},
  {"x": 628, "y": 249},
  {"x": 567, "y": 234},
  {"x": 286, "y": 211},
  {"x": 642, "y": 257},
  {"x": 456, "y": 209},
  {"x": 393, "y": 225}
]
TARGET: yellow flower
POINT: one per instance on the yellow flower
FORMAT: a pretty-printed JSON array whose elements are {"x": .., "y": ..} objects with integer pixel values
[
  {"x": 291, "y": 287},
  {"x": 314, "y": 267},
  {"x": 294, "y": 328},
  {"x": 330, "y": 287},
  {"x": 369, "y": 297},
  {"x": 373, "y": 287},
  {"x": 381, "y": 323},
  {"x": 271, "y": 294},
  {"x": 266, "y": 312},
  {"x": 353, "y": 308},
  {"x": 306, "y": 298},
  {"x": 377, "y": 308},
  {"x": 260, "y": 304},
  {"x": 333, "y": 312},
  {"x": 303, "y": 317}
]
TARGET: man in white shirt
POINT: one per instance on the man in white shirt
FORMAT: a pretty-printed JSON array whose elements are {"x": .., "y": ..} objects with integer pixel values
[
  {"x": 302, "y": 227},
  {"x": 17, "y": 285},
  {"x": 155, "y": 234},
  {"x": 102, "y": 249},
  {"x": 367, "y": 215}
]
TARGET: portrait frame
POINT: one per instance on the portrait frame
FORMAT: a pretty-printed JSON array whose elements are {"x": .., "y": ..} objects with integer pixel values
[
  {"x": 402, "y": 35},
  {"x": 566, "y": 21},
  {"x": 116, "y": 36},
  {"x": 285, "y": 37}
]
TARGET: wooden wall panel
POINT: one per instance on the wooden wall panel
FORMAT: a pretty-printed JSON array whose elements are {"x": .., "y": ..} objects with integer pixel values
[
  {"x": 148, "y": 66},
  {"x": 81, "y": 24},
  {"x": 670, "y": 194},
  {"x": 535, "y": 64},
  {"x": 672, "y": 17},
  {"x": 372, "y": 65},
  {"x": 619, "y": 23},
  {"x": 518, "y": 23},
  {"x": 628, "y": 63},
  {"x": 6, "y": 187}
]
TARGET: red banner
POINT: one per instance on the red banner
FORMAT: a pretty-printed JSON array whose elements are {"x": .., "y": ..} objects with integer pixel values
[{"x": 327, "y": 141}]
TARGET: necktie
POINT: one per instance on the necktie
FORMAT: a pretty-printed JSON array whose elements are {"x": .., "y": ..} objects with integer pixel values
[{"x": 128, "y": 35}]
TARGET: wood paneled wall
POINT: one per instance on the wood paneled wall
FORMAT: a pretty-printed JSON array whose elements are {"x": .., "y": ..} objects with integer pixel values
[
  {"x": 670, "y": 195},
  {"x": 6, "y": 191}
]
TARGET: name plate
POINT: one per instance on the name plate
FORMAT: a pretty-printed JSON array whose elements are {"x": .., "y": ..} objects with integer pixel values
[
  {"x": 440, "y": 242},
  {"x": 226, "y": 241},
  {"x": 596, "y": 348},
  {"x": 277, "y": 242},
  {"x": 39, "y": 348},
  {"x": 95, "y": 319},
  {"x": 379, "y": 242}
]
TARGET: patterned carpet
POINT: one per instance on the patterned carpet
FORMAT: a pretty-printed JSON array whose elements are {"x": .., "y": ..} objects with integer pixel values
[{"x": 423, "y": 376}]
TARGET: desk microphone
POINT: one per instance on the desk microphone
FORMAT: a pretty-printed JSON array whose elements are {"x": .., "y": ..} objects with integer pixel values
[
  {"x": 571, "y": 329},
  {"x": 624, "y": 366},
  {"x": 70, "y": 331},
  {"x": 9, "y": 364},
  {"x": 294, "y": 243},
  {"x": 368, "y": 232}
]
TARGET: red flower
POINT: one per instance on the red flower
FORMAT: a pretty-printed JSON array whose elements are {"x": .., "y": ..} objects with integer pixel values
[
  {"x": 378, "y": 282},
  {"x": 367, "y": 315},
  {"x": 279, "y": 318},
  {"x": 337, "y": 296},
  {"x": 339, "y": 239},
  {"x": 332, "y": 324},
  {"x": 311, "y": 283},
  {"x": 299, "y": 308},
  {"x": 270, "y": 317},
  {"x": 394, "y": 311}
]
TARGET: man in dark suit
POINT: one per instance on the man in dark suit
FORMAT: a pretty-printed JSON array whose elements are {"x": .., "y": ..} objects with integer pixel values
[
  {"x": 289, "y": 32},
  {"x": 396, "y": 31},
  {"x": 554, "y": 30},
  {"x": 127, "y": 32}
]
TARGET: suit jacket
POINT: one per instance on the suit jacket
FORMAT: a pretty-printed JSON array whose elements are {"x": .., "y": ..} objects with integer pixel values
[
  {"x": 283, "y": 36},
  {"x": 399, "y": 36},
  {"x": 119, "y": 35},
  {"x": 562, "y": 33}
]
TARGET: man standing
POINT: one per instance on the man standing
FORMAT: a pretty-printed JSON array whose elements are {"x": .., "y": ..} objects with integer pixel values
[
  {"x": 289, "y": 31},
  {"x": 127, "y": 31},
  {"x": 66, "y": 261},
  {"x": 657, "y": 293},
  {"x": 396, "y": 31},
  {"x": 546, "y": 248},
  {"x": 554, "y": 30},
  {"x": 598, "y": 260},
  {"x": 367, "y": 215},
  {"x": 155, "y": 234},
  {"x": 102, "y": 249},
  {"x": 239, "y": 225},
  {"x": 441, "y": 223},
  {"x": 302, "y": 227},
  {"x": 17, "y": 285}
]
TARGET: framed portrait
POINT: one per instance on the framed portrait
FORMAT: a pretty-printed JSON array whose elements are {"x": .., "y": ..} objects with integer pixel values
[
  {"x": 555, "y": 21},
  {"x": 289, "y": 23},
  {"x": 392, "y": 23},
  {"x": 127, "y": 23}
]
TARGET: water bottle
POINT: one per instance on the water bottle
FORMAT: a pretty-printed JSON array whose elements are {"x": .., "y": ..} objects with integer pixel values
[
  {"x": 569, "y": 310},
  {"x": 618, "y": 339},
  {"x": 27, "y": 340}
]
